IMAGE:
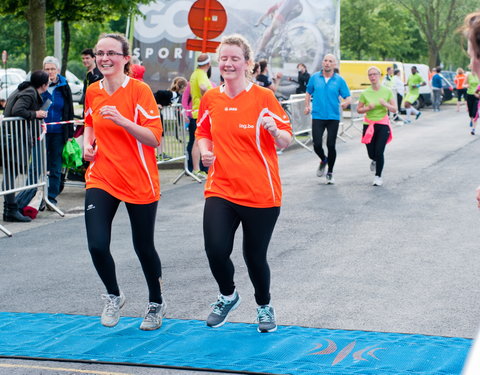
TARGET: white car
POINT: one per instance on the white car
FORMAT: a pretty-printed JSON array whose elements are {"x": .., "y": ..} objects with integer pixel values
[{"x": 9, "y": 82}]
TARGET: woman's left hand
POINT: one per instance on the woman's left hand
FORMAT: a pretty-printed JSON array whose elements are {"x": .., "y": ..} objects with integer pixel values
[
  {"x": 269, "y": 124},
  {"x": 383, "y": 102},
  {"x": 110, "y": 112}
]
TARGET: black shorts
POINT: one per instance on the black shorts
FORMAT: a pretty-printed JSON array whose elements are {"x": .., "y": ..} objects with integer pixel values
[{"x": 460, "y": 93}]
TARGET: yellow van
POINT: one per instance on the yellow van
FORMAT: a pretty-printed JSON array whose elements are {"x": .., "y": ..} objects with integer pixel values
[{"x": 355, "y": 72}]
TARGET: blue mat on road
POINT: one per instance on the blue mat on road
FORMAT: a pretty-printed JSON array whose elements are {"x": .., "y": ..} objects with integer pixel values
[{"x": 235, "y": 347}]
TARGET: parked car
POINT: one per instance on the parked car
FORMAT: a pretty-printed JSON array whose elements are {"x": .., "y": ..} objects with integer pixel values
[
  {"x": 10, "y": 82},
  {"x": 448, "y": 85}
]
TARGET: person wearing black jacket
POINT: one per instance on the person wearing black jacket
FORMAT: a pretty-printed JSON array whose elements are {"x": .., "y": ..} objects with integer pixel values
[
  {"x": 61, "y": 109},
  {"x": 24, "y": 102},
  {"x": 302, "y": 80}
]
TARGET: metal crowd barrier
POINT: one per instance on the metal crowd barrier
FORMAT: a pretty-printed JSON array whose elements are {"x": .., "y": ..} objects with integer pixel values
[
  {"x": 174, "y": 141},
  {"x": 23, "y": 158},
  {"x": 301, "y": 123},
  {"x": 351, "y": 118}
]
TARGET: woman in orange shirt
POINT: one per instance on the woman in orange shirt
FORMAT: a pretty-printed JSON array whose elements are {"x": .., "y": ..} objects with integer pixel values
[
  {"x": 459, "y": 81},
  {"x": 239, "y": 126},
  {"x": 122, "y": 130}
]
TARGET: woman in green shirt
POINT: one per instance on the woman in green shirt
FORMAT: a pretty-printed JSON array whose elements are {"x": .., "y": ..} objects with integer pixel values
[
  {"x": 375, "y": 102},
  {"x": 472, "y": 100}
]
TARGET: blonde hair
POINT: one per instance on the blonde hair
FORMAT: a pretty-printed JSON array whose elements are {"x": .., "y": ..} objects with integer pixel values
[
  {"x": 374, "y": 68},
  {"x": 460, "y": 71},
  {"x": 239, "y": 41}
]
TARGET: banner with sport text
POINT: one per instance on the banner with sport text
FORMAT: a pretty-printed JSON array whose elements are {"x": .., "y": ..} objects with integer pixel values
[{"x": 284, "y": 32}]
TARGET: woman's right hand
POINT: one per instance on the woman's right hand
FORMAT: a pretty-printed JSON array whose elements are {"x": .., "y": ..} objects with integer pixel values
[
  {"x": 208, "y": 158},
  {"x": 89, "y": 152},
  {"x": 41, "y": 114}
]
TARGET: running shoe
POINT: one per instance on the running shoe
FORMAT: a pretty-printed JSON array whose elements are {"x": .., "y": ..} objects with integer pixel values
[
  {"x": 221, "y": 309},
  {"x": 153, "y": 316},
  {"x": 407, "y": 121},
  {"x": 472, "y": 132},
  {"x": 266, "y": 319},
  {"x": 377, "y": 181},
  {"x": 321, "y": 168},
  {"x": 200, "y": 174},
  {"x": 418, "y": 115},
  {"x": 373, "y": 165},
  {"x": 329, "y": 179},
  {"x": 111, "y": 311}
]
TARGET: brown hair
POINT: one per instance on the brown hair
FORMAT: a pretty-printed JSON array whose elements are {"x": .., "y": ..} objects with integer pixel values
[
  {"x": 471, "y": 29},
  {"x": 178, "y": 84},
  {"x": 125, "y": 47}
]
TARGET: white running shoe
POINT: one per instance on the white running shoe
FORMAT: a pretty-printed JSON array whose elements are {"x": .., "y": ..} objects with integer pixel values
[
  {"x": 377, "y": 181},
  {"x": 153, "y": 316},
  {"x": 329, "y": 179},
  {"x": 111, "y": 310}
]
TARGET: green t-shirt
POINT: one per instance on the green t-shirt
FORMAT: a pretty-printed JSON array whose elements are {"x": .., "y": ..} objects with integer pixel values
[
  {"x": 371, "y": 96},
  {"x": 472, "y": 81},
  {"x": 198, "y": 78},
  {"x": 413, "y": 80}
]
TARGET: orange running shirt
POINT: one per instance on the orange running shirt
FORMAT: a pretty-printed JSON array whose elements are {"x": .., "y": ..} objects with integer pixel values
[
  {"x": 123, "y": 167},
  {"x": 245, "y": 170},
  {"x": 460, "y": 81}
]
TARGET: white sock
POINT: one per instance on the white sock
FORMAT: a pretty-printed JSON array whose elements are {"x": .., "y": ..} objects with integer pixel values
[
  {"x": 409, "y": 111},
  {"x": 231, "y": 297},
  {"x": 414, "y": 111}
]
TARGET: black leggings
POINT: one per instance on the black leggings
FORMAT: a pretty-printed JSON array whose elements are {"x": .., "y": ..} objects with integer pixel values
[
  {"x": 318, "y": 128},
  {"x": 221, "y": 219},
  {"x": 376, "y": 147},
  {"x": 100, "y": 208},
  {"x": 472, "y": 104}
]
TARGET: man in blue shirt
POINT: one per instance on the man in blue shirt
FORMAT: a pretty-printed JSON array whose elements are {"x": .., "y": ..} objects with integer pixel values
[{"x": 326, "y": 87}]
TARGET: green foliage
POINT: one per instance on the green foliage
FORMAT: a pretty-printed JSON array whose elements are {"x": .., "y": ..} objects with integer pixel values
[
  {"x": 15, "y": 43},
  {"x": 378, "y": 30}
]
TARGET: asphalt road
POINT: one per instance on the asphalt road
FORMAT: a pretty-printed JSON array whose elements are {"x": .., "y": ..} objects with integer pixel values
[{"x": 398, "y": 258}]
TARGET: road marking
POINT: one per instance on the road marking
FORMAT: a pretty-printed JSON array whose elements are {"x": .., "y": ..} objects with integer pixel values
[{"x": 71, "y": 370}]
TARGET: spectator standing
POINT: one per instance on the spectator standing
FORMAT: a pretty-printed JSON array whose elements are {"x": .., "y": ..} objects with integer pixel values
[
  {"x": 326, "y": 87},
  {"x": 61, "y": 109},
  {"x": 437, "y": 89},
  {"x": 302, "y": 79},
  {"x": 263, "y": 78},
  {"x": 93, "y": 73},
  {"x": 24, "y": 102},
  {"x": 137, "y": 69},
  {"x": 399, "y": 87}
]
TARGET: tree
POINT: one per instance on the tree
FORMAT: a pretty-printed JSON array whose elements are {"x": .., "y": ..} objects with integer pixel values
[
  {"x": 90, "y": 11},
  {"x": 436, "y": 19}
]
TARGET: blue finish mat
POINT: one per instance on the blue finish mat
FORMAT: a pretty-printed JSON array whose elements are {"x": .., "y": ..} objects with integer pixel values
[{"x": 235, "y": 347}]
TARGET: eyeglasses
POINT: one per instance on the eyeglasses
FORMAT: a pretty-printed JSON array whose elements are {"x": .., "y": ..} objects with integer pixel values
[
  {"x": 108, "y": 53},
  {"x": 373, "y": 74}
]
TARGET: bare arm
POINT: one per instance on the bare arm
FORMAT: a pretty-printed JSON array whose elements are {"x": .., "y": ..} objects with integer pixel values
[
  {"x": 308, "y": 103},
  {"x": 89, "y": 150},
  {"x": 205, "y": 146}
]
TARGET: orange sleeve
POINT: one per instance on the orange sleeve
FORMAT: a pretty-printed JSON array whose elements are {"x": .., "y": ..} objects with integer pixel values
[
  {"x": 148, "y": 113},
  {"x": 203, "y": 121}
]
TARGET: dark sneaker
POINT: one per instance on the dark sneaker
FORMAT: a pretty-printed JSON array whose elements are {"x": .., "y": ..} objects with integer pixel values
[
  {"x": 111, "y": 311},
  {"x": 329, "y": 179},
  {"x": 321, "y": 168},
  {"x": 221, "y": 309},
  {"x": 418, "y": 115},
  {"x": 153, "y": 316},
  {"x": 373, "y": 166},
  {"x": 472, "y": 132},
  {"x": 266, "y": 319}
]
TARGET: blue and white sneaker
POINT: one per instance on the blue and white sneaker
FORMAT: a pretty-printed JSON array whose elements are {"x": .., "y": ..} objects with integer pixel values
[
  {"x": 418, "y": 115},
  {"x": 221, "y": 308},
  {"x": 266, "y": 319}
]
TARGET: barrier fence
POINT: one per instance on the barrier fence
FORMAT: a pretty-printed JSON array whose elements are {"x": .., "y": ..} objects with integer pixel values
[
  {"x": 174, "y": 140},
  {"x": 23, "y": 159}
]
